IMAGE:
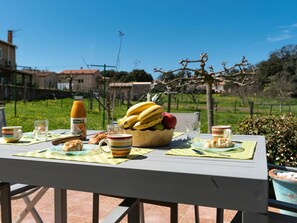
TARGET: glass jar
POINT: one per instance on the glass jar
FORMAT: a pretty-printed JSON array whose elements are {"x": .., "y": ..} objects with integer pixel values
[{"x": 78, "y": 117}]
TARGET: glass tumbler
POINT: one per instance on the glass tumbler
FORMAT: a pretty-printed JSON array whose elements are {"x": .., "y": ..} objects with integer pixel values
[
  {"x": 41, "y": 130},
  {"x": 193, "y": 131}
]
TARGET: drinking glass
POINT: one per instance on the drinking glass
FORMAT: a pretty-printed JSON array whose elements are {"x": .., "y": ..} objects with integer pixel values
[
  {"x": 114, "y": 128},
  {"x": 41, "y": 130},
  {"x": 193, "y": 131}
]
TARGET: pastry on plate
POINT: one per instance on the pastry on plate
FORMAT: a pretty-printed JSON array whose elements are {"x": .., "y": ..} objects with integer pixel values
[
  {"x": 219, "y": 143},
  {"x": 73, "y": 145},
  {"x": 95, "y": 139}
]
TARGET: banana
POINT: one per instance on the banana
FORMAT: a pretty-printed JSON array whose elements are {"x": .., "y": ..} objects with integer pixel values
[
  {"x": 121, "y": 121},
  {"x": 149, "y": 112},
  {"x": 140, "y": 126},
  {"x": 130, "y": 121},
  {"x": 139, "y": 107},
  {"x": 152, "y": 118}
]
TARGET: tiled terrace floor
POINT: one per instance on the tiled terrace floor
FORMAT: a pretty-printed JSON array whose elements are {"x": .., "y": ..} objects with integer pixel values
[{"x": 79, "y": 209}]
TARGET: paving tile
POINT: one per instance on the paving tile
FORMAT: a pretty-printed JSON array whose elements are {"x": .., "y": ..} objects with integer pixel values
[{"x": 79, "y": 207}]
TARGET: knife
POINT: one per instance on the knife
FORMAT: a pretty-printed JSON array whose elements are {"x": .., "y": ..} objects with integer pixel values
[
  {"x": 65, "y": 139},
  {"x": 198, "y": 151}
]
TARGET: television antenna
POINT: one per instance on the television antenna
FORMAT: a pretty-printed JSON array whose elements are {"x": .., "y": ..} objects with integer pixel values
[{"x": 121, "y": 34}]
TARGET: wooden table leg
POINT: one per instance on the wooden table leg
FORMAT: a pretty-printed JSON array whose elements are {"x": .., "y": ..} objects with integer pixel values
[
  {"x": 134, "y": 214},
  {"x": 95, "y": 208},
  {"x": 60, "y": 205},
  {"x": 5, "y": 203}
]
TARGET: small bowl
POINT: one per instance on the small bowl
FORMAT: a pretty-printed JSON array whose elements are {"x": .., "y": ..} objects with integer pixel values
[{"x": 150, "y": 138}]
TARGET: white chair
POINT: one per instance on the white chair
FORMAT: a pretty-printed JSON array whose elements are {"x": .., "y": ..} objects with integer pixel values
[
  {"x": 17, "y": 191},
  {"x": 181, "y": 125},
  {"x": 183, "y": 119}
]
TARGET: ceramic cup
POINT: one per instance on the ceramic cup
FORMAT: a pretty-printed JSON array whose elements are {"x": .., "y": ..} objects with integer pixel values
[
  {"x": 221, "y": 131},
  {"x": 12, "y": 133},
  {"x": 118, "y": 144}
]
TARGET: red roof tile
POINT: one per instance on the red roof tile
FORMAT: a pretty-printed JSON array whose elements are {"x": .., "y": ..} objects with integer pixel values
[{"x": 80, "y": 71}]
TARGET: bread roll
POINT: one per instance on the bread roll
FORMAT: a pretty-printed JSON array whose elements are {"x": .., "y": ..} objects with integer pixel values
[
  {"x": 95, "y": 139},
  {"x": 73, "y": 145}
]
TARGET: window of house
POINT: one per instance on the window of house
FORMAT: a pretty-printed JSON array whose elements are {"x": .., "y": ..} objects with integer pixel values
[
  {"x": 80, "y": 80},
  {"x": 0, "y": 53}
]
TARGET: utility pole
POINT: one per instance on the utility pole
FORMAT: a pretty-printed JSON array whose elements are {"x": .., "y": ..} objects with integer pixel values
[{"x": 104, "y": 88}]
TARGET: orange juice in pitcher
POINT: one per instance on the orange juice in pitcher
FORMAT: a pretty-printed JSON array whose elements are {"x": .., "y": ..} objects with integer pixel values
[{"x": 78, "y": 117}]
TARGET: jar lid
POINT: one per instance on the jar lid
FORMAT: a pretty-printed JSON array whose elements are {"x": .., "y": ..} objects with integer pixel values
[{"x": 78, "y": 97}]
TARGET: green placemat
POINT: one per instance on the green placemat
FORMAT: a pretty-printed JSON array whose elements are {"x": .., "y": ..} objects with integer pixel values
[
  {"x": 177, "y": 134},
  {"x": 28, "y": 139},
  {"x": 94, "y": 156},
  {"x": 245, "y": 152}
]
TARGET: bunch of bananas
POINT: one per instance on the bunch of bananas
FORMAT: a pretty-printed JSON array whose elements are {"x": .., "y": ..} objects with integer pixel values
[{"x": 143, "y": 115}]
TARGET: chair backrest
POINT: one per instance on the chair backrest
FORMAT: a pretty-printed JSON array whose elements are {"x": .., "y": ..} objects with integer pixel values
[
  {"x": 2, "y": 120},
  {"x": 183, "y": 118}
]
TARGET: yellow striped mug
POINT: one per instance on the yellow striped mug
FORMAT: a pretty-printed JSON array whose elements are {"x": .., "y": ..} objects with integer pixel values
[
  {"x": 12, "y": 133},
  {"x": 118, "y": 144},
  {"x": 221, "y": 131}
]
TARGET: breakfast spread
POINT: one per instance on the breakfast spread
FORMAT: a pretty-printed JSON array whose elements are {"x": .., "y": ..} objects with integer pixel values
[
  {"x": 95, "y": 139},
  {"x": 219, "y": 143},
  {"x": 73, "y": 145}
]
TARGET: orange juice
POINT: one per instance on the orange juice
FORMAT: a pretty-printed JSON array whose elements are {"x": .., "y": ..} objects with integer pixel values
[{"x": 78, "y": 117}]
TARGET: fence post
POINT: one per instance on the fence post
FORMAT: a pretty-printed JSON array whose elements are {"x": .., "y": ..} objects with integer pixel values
[
  {"x": 128, "y": 101},
  {"x": 215, "y": 104},
  {"x": 169, "y": 102},
  {"x": 251, "y": 108},
  {"x": 177, "y": 104},
  {"x": 270, "y": 111},
  {"x": 235, "y": 106},
  {"x": 91, "y": 100}
]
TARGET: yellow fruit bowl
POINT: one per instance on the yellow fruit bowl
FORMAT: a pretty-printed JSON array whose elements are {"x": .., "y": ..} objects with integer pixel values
[{"x": 150, "y": 138}]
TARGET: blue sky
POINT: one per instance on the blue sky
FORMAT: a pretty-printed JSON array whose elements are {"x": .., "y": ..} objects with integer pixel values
[{"x": 63, "y": 34}]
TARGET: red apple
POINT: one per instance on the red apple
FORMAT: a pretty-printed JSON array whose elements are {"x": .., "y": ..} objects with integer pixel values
[{"x": 169, "y": 120}]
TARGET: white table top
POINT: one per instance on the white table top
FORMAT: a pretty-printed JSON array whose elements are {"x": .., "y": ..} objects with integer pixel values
[{"x": 214, "y": 182}]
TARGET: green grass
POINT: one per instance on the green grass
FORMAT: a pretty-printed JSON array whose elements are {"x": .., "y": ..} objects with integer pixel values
[{"x": 58, "y": 111}]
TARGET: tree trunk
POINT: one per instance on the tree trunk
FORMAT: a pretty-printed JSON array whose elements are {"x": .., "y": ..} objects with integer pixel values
[
  {"x": 209, "y": 106},
  {"x": 70, "y": 85}
]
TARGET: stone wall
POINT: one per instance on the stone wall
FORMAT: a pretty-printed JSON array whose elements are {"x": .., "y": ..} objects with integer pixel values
[{"x": 29, "y": 94}]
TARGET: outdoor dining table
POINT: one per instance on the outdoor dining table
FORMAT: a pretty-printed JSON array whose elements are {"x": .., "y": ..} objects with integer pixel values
[{"x": 205, "y": 181}]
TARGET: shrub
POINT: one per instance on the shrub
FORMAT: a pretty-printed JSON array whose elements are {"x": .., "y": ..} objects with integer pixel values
[{"x": 280, "y": 133}]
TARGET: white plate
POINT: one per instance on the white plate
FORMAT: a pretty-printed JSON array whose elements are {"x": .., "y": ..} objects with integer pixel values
[
  {"x": 59, "y": 149},
  {"x": 199, "y": 145}
]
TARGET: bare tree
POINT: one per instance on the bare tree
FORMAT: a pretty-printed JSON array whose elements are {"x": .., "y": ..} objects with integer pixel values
[
  {"x": 70, "y": 78},
  {"x": 280, "y": 86},
  {"x": 201, "y": 76}
]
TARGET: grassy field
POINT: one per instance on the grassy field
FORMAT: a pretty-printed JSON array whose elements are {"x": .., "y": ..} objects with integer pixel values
[{"x": 58, "y": 111}]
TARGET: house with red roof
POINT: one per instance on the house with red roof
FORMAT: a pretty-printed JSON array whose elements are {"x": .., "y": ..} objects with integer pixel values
[{"x": 82, "y": 80}]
